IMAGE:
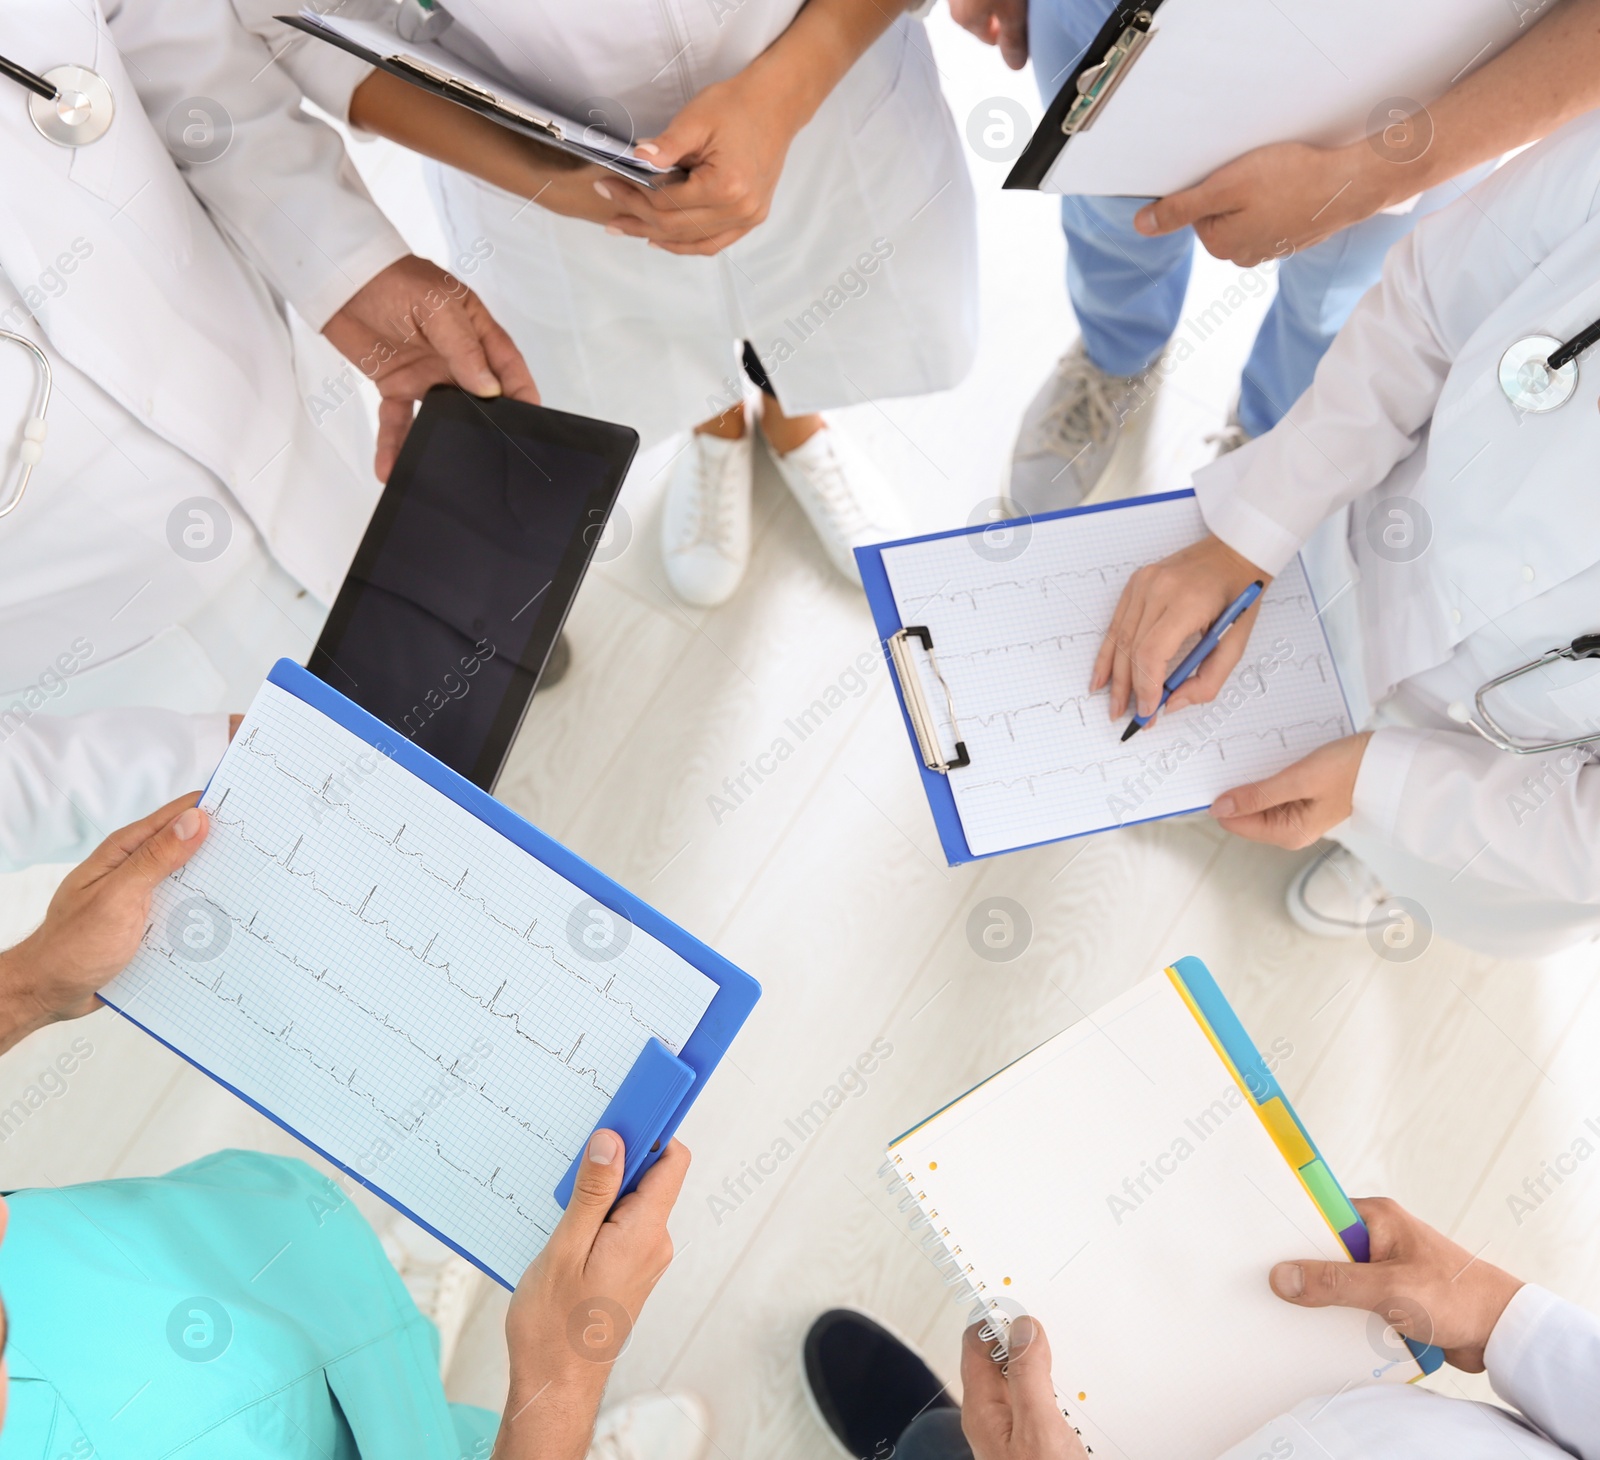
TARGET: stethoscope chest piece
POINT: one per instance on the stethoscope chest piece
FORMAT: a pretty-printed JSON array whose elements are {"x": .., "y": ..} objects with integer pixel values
[
  {"x": 81, "y": 114},
  {"x": 1529, "y": 382}
]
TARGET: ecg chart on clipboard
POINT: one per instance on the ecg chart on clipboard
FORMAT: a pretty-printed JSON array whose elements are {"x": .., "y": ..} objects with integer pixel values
[
  {"x": 399, "y": 983},
  {"x": 1015, "y": 639}
]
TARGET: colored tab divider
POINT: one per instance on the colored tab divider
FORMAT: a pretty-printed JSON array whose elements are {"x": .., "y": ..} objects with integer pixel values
[
  {"x": 1285, "y": 1130},
  {"x": 1244, "y": 1062}
]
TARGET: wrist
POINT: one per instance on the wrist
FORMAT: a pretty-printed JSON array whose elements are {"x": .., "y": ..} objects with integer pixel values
[
  {"x": 783, "y": 95},
  {"x": 1383, "y": 177},
  {"x": 22, "y": 1011},
  {"x": 1499, "y": 1288},
  {"x": 1236, "y": 566},
  {"x": 550, "y": 1417}
]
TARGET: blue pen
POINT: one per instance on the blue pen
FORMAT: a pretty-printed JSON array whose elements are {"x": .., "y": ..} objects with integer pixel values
[{"x": 1197, "y": 655}]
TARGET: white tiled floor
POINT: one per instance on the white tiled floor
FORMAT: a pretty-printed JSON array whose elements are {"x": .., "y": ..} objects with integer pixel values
[{"x": 1446, "y": 1082}]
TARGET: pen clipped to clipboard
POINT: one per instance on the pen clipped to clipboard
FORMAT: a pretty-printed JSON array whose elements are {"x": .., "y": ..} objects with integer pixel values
[{"x": 924, "y": 723}]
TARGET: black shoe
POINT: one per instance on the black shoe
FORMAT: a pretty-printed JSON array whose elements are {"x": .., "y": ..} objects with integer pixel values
[
  {"x": 557, "y": 665},
  {"x": 866, "y": 1384}
]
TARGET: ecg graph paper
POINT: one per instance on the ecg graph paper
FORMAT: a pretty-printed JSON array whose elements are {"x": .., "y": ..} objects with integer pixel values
[
  {"x": 1015, "y": 641},
  {"x": 398, "y": 982}
]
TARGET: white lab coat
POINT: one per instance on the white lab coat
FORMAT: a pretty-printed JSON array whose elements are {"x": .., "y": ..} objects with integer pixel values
[
  {"x": 1502, "y": 851},
  {"x": 860, "y": 285},
  {"x": 1543, "y": 1359},
  {"x": 175, "y": 360}
]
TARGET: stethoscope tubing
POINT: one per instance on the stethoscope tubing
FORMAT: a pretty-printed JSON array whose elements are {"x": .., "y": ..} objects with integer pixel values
[
  {"x": 24, "y": 77},
  {"x": 1574, "y": 347},
  {"x": 1502, "y": 739},
  {"x": 46, "y": 379}
]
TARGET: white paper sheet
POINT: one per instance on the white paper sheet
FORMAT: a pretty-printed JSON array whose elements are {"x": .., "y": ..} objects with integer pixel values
[
  {"x": 1114, "y": 1184},
  {"x": 1015, "y": 637},
  {"x": 1220, "y": 77},
  {"x": 398, "y": 983}
]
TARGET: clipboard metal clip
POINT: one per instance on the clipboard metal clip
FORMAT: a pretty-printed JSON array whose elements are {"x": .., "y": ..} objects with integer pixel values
[
  {"x": 923, "y": 723},
  {"x": 459, "y": 90},
  {"x": 1096, "y": 83}
]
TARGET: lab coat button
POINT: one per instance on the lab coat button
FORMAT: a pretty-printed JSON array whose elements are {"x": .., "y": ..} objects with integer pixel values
[
  {"x": 1455, "y": 615},
  {"x": 1527, "y": 573}
]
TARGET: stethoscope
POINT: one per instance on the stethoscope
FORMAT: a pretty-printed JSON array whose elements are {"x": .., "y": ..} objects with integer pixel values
[
  {"x": 1539, "y": 373},
  {"x": 71, "y": 106},
  {"x": 1585, "y": 646}
]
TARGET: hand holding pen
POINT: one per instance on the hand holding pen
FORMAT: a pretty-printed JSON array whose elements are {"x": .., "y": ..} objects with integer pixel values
[
  {"x": 1199, "y": 654},
  {"x": 1163, "y": 606}
]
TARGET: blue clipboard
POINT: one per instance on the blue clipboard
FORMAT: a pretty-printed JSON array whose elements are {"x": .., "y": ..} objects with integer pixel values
[
  {"x": 886, "y": 618},
  {"x": 653, "y": 1099}
]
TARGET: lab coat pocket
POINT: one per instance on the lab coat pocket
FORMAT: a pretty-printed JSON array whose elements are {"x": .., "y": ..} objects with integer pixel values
[{"x": 167, "y": 672}]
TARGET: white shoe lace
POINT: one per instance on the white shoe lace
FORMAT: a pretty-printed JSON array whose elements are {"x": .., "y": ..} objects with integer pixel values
[
  {"x": 1088, "y": 406},
  {"x": 714, "y": 518},
  {"x": 845, "y": 510}
]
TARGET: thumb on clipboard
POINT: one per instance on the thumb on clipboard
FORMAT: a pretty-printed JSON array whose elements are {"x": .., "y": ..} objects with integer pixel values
[
  {"x": 573, "y": 1311},
  {"x": 1272, "y": 202}
]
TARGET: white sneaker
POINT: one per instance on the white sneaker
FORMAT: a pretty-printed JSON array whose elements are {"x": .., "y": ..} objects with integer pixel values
[
  {"x": 847, "y": 500},
  {"x": 1070, "y": 431},
  {"x": 1335, "y": 895},
  {"x": 705, "y": 522},
  {"x": 653, "y": 1427},
  {"x": 444, "y": 1285}
]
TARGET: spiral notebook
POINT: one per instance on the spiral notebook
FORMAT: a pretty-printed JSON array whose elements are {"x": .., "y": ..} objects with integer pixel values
[{"x": 1130, "y": 1183}]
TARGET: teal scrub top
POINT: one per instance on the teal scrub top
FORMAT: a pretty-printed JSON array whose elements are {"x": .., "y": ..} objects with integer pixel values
[{"x": 238, "y": 1306}]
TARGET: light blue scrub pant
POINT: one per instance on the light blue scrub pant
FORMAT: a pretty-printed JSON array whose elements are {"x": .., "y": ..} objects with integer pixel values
[{"x": 1128, "y": 290}]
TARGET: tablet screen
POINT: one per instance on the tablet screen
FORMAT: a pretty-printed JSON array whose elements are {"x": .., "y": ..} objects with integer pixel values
[{"x": 467, "y": 570}]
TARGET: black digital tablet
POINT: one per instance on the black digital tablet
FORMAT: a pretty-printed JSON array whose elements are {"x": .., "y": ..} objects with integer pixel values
[{"x": 467, "y": 570}]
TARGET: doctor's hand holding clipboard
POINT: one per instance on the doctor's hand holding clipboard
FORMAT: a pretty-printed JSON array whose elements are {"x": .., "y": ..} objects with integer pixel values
[
  {"x": 1286, "y": 197},
  {"x": 1167, "y": 605},
  {"x": 731, "y": 138},
  {"x": 1447, "y": 440}
]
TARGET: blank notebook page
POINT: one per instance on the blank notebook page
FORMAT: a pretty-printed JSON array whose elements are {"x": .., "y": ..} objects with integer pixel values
[
  {"x": 1016, "y": 639},
  {"x": 397, "y": 982},
  {"x": 1115, "y": 1184}
]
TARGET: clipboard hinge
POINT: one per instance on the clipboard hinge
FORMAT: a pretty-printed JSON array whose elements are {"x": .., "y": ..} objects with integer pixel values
[
  {"x": 1097, "y": 82},
  {"x": 461, "y": 90},
  {"x": 923, "y": 724}
]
